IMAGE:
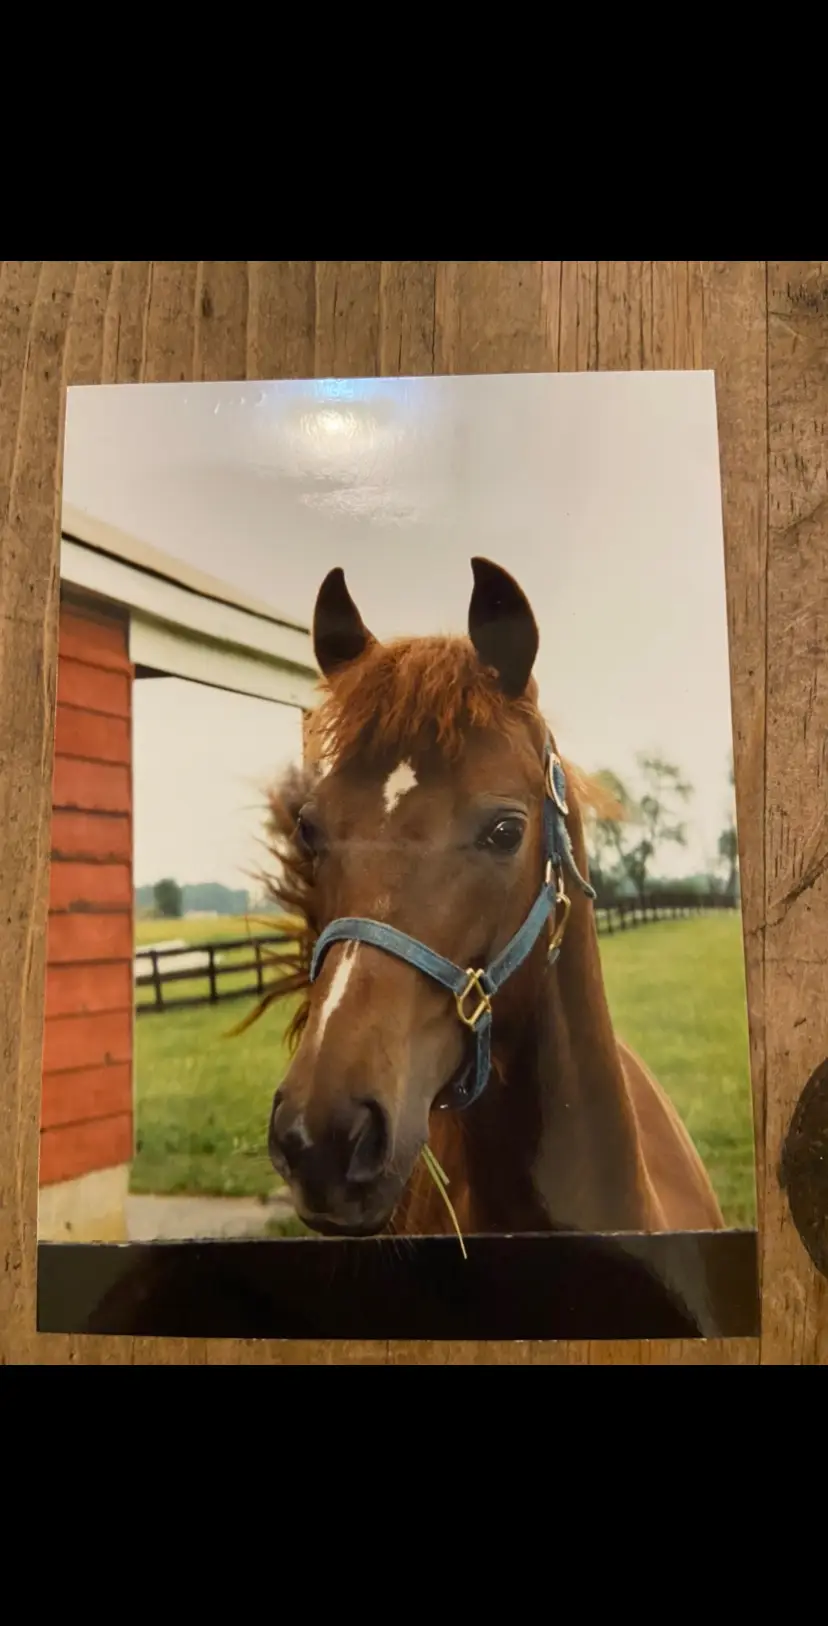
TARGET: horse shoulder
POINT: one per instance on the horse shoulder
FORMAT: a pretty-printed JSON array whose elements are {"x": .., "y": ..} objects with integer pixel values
[{"x": 681, "y": 1182}]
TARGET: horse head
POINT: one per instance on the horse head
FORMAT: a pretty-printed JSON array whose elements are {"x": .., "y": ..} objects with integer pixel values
[{"x": 423, "y": 813}]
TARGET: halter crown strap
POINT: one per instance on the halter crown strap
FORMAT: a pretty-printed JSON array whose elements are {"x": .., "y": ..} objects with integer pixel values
[{"x": 473, "y": 990}]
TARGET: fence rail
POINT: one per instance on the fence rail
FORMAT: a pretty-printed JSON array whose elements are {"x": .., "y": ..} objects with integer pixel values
[
  {"x": 619, "y": 915},
  {"x": 206, "y": 962},
  {"x": 214, "y": 964}
]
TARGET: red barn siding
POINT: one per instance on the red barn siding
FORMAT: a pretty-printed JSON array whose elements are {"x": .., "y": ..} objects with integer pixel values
[
  {"x": 74, "y": 1042},
  {"x": 91, "y": 787},
  {"x": 79, "y": 939},
  {"x": 68, "y": 1152},
  {"x": 86, "y": 1114},
  {"x": 93, "y": 639},
  {"x": 81, "y": 886},
  {"x": 84, "y": 990},
  {"x": 94, "y": 1092},
  {"x": 91, "y": 688},
  {"x": 83, "y": 835},
  {"x": 90, "y": 735}
]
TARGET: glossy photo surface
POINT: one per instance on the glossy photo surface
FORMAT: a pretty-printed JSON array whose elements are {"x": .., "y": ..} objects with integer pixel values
[{"x": 395, "y": 981}]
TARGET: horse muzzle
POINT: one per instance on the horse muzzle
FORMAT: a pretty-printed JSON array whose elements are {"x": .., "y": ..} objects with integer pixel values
[{"x": 340, "y": 1177}]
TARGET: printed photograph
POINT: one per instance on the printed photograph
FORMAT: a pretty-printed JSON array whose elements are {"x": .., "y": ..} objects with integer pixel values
[{"x": 395, "y": 878}]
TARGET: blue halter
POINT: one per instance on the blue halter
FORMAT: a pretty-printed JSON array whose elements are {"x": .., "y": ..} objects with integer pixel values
[{"x": 483, "y": 984}]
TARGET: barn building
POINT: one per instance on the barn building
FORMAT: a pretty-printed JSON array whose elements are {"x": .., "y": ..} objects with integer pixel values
[{"x": 128, "y": 613}]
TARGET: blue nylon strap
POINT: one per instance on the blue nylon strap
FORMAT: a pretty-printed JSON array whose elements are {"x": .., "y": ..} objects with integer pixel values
[
  {"x": 558, "y": 854},
  {"x": 434, "y": 965},
  {"x": 394, "y": 942},
  {"x": 523, "y": 941}
]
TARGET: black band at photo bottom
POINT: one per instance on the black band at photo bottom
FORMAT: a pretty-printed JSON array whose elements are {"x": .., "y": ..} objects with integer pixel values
[{"x": 560, "y": 1286}]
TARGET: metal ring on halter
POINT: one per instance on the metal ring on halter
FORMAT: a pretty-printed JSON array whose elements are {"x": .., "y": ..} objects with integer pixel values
[
  {"x": 553, "y": 762},
  {"x": 560, "y": 898},
  {"x": 473, "y": 986}
]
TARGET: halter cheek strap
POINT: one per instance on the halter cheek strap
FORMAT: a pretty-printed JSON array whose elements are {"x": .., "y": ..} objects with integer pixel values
[{"x": 474, "y": 990}]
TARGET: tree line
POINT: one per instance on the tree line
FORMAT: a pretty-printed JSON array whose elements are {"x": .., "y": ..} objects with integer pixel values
[
  {"x": 167, "y": 900},
  {"x": 625, "y": 845}
]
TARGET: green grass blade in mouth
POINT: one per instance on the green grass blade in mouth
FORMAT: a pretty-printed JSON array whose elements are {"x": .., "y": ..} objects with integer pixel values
[{"x": 441, "y": 1182}]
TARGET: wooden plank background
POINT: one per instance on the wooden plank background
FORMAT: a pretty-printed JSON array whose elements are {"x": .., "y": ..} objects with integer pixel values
[{"x": 763, "y": 327}]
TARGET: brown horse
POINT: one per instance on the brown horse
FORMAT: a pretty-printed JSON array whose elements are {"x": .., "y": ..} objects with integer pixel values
[{"x": 421, "y": 808}]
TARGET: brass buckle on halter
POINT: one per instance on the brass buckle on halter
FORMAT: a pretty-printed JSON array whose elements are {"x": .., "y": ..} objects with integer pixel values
[
  {"x": 560, "y": 898},
  {"x": 473, "y": 986},
  {"x": 552, "y": 788}
]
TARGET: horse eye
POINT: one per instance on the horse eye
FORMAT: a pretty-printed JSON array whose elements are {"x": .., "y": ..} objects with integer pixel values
[
  {"x": 507, "y": 835},
  {"x": 307, "y": 834}
]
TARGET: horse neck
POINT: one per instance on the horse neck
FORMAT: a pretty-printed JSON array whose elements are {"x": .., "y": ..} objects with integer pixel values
[
  {"x": 552, "y": 1143},
  {"x": 588, "y": 1169}
]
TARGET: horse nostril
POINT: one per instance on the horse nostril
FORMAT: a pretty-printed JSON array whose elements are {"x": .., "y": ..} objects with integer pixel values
[
  {"x": 293, "y": 1144},
  {"x": 371, "y": 1140},
  {"x": 288, "y": 1141}
]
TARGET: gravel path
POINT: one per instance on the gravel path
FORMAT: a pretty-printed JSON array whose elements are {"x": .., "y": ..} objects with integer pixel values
[{"x": 178, "y": 1219}]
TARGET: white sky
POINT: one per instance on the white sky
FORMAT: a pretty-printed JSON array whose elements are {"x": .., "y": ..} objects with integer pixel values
[{"x": 600, "y": 492}]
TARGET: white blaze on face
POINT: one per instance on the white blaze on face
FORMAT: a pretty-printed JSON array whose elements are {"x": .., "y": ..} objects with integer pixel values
[
  {"x": 336, "y": 993},
  {"x": 397, "y": 785}
]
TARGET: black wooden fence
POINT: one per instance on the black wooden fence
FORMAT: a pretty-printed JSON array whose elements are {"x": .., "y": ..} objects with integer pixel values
[
  {"x": 220, "y": 972},
  {"x": 620, "y": 915},
  {"x": 219, "y": 968}
]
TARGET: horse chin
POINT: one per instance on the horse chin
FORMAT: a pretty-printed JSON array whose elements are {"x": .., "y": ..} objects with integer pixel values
[
  {"x": 368, "y": 1216},
  {"x": 330, "y": 1228}
]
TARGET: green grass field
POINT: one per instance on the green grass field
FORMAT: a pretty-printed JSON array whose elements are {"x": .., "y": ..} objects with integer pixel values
[
  {"x": 202, "y": 1098},
  {"x": 676, "y": 992},
  {"x": 677, "y": 995}
]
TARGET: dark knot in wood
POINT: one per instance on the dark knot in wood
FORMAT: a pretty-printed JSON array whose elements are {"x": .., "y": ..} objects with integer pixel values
[{"x": 803, "y": 1168}]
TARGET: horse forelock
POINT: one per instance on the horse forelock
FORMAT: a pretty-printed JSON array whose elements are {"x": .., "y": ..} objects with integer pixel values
[{"x": 414, "y": 695}]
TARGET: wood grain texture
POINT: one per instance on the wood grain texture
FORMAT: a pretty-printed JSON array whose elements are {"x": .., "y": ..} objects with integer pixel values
[
  {"x": 764, "y": 329},
  {"x": 796, "y": 810}
]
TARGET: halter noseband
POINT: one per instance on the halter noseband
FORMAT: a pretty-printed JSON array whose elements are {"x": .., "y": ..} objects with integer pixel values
[{"x": 483, "y": 984}]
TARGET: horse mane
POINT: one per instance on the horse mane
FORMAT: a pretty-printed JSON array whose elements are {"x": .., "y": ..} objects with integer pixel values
[{"x": 397, "y": 699}]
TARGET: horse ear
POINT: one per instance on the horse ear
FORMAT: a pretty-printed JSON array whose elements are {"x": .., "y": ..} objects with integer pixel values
[
  {"x": 339, "y": 633},
  {"x": 502, "y": 626}
]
